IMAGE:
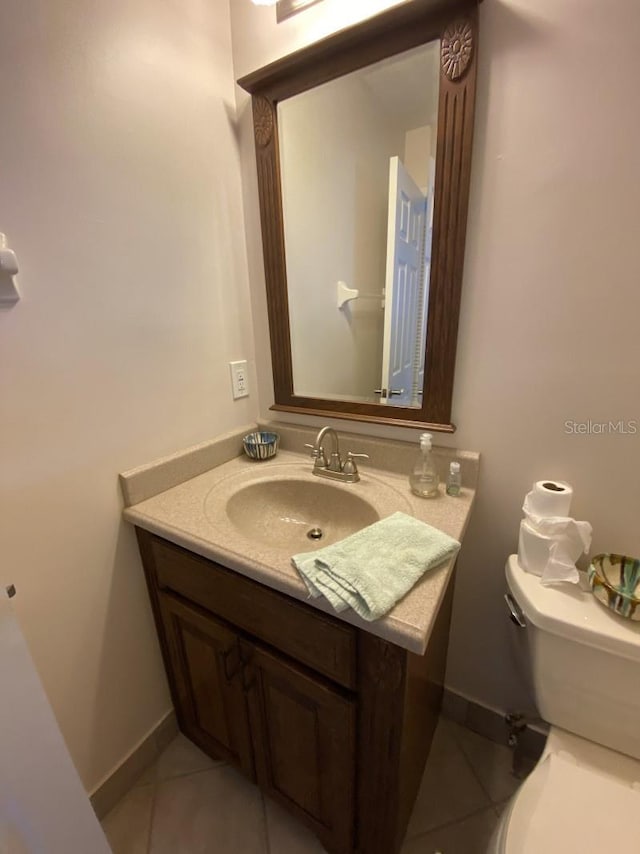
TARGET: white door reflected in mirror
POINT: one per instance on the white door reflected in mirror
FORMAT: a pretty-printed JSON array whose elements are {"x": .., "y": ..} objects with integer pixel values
[
  {"x": 339, "y": 143},
  {"x": 407, "y": 286}
]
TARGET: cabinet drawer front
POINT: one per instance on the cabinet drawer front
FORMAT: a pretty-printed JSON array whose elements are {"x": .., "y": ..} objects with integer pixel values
[{"x": 320, "y": 642}]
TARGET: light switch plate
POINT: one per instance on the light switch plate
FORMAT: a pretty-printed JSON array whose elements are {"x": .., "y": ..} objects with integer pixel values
[{"x": 239, "y": 379}]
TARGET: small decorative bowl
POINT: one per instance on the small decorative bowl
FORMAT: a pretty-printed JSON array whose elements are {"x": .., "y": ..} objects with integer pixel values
[
  {"x": 261, "y": 445},
  {"x": 615, "y": 581}
]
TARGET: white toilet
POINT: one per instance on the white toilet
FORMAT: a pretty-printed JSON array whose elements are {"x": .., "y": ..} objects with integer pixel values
[{"x": 584, "y": 793}]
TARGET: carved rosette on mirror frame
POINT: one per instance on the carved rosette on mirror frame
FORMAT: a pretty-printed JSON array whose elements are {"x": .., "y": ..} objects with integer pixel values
[{"x": 455, "y": 23}]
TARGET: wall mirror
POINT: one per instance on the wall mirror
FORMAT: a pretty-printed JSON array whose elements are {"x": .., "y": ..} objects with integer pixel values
[{"x": 363, "y": 148}]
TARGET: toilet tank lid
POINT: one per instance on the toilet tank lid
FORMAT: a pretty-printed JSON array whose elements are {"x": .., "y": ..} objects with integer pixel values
[{"x": 571, "y": 612}]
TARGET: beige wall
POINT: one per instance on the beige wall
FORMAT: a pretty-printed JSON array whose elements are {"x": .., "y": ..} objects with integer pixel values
[
  {"x": 121, "y": 197},
  {"x": 550, "y": 307},
  {"x": 418, "y": 154}
]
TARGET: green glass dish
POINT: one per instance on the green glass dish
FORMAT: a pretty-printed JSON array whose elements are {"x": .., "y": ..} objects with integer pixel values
[{"x": 615, "y": 581}]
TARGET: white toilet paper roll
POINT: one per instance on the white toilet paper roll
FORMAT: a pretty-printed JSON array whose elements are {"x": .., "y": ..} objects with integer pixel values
[
  {"x": 533, "y": 549},
  {"x": 549, "y": 498},
  {"x": 552, "y": 553}
]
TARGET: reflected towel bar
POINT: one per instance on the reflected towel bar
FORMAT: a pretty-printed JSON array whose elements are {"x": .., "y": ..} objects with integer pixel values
[{"x": 346, "y": 294}]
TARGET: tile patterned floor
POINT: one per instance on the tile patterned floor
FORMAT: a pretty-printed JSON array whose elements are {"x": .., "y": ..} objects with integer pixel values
[{"x": 169, "y": 811}]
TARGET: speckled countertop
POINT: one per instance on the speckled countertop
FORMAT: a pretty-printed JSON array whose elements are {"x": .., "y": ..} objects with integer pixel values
[{"x": 193, "y": 514}]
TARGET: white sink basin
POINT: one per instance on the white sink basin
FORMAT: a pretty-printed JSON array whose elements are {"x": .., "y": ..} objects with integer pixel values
[
  {"x": 284, "y": 507},
  {"x": 292, "y": 512}
]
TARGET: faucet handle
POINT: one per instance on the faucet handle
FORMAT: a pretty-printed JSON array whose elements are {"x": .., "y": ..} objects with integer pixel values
[
  {"x": 349, "y": 466},
  {"x": 317, "y": 454}
]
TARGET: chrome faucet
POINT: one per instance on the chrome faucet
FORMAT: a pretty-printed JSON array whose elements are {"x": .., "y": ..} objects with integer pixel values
[{"x": 334, "y": 467}]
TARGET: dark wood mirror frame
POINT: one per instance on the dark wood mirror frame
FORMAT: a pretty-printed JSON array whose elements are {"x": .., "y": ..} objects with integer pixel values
[{"x": 399, "y": 29}]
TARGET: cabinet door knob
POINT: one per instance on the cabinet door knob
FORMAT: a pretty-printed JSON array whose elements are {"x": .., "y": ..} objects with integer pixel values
[
  {"x": 230, "y": 667},
  {"x": 248, "y": 681}
]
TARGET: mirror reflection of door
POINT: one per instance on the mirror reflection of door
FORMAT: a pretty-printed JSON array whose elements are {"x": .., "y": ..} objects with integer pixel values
[
  {"x": 404, "y": 291},
  {"x": 407, "y": 285}
]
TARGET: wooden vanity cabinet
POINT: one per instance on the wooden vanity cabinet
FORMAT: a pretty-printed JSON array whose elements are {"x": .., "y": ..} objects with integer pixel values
[
  {"x": 290, "y": 732},
  {"x": 332, "y": 722}
]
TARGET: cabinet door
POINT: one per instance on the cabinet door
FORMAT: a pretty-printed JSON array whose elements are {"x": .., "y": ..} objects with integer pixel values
[
  {"x": 304, "y": 744},
  {"x": 206, "y": 671}
]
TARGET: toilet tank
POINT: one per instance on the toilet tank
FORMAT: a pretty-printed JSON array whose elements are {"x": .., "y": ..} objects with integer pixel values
[{"x": 584, "y": 661}]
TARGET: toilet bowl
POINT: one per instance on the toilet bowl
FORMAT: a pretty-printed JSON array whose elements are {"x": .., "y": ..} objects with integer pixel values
[{"x": 584, "y": 793}]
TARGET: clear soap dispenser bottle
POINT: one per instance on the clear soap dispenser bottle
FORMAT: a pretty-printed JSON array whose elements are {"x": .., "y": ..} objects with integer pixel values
[{"x": 424, "y": 480}]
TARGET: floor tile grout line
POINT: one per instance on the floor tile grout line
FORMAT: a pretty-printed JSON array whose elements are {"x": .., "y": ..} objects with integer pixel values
[
  {"x": 470, "y": 765},
  {"x": 152, "y": 815},
  {"x": 488, "y": 802},
  {"x": 221, "y": 764},
  {"x": 451, "y": 823},
  {"x": 491, "y": 805},
  {"x": 503, "y": 805},
  {"x": 156, "y": 782},
  {"x": 140, "y": 785},
  {"x": 265, "y": 822}
]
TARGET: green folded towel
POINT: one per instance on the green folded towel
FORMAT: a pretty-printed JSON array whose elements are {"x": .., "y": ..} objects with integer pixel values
[{"x": 374, "y": 568}]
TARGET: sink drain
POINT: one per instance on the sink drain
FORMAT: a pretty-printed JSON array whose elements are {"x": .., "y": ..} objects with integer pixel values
[{"x": 315, "y": 534}]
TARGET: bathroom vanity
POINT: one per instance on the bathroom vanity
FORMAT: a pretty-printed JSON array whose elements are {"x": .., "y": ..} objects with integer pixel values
[{"x": 331, "y": 716}]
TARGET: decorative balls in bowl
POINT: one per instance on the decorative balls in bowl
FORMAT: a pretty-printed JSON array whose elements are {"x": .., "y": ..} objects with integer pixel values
[
  {"x": 615, "y": 581},
  {"x": 261, "y": 445}
]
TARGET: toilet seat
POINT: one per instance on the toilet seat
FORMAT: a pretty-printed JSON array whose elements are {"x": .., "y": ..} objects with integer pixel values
[{"x": 580, "y": 797}]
